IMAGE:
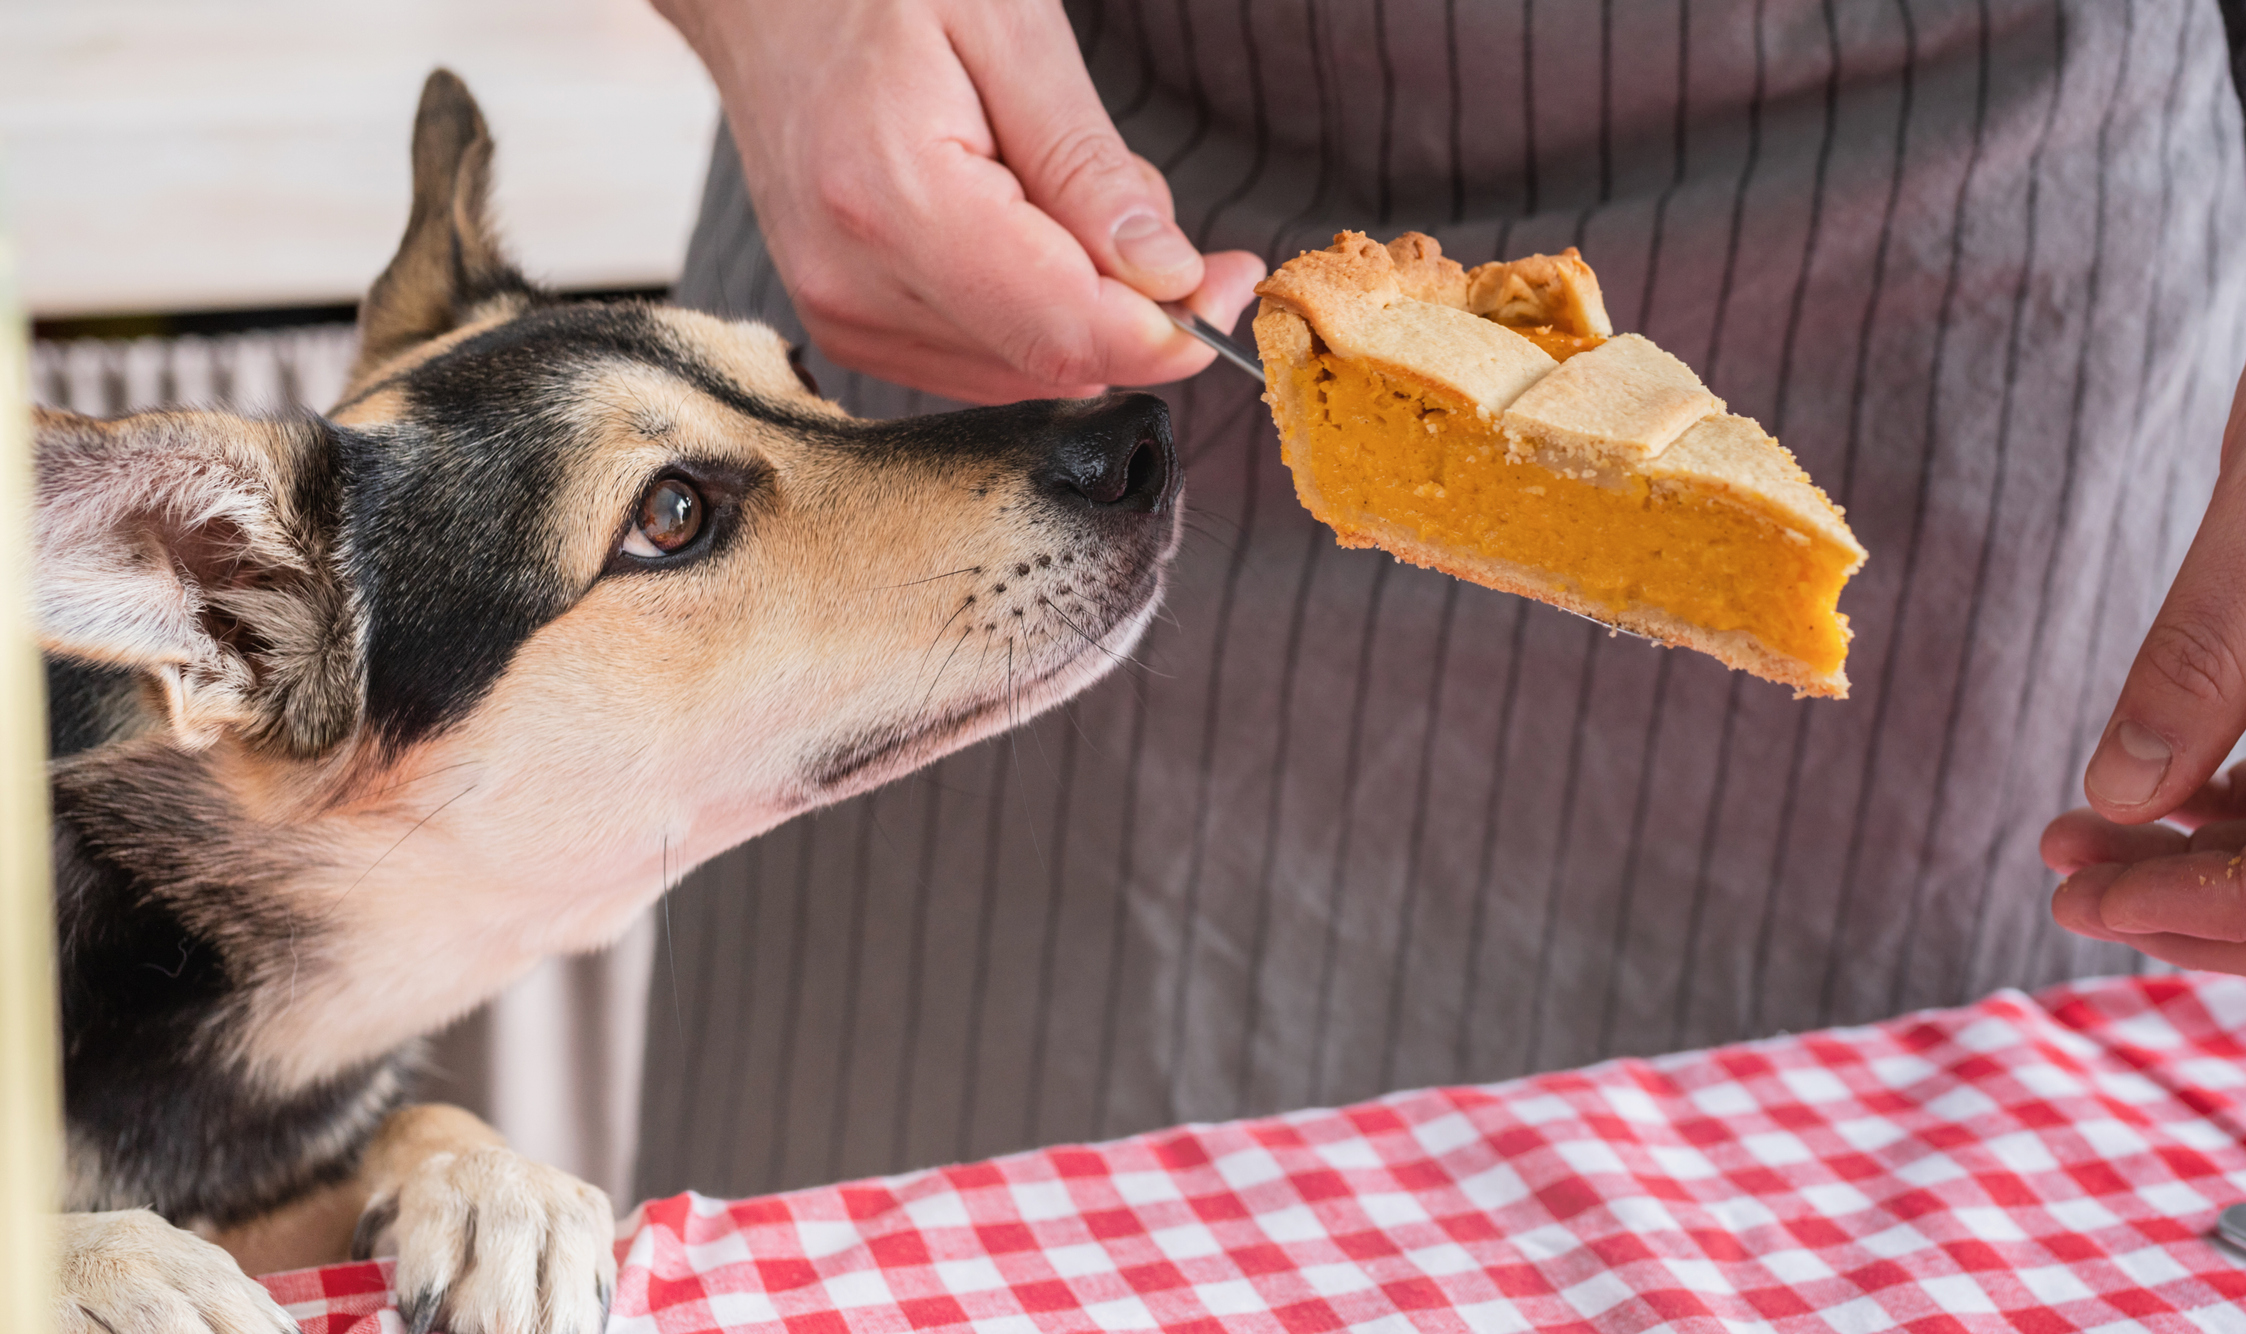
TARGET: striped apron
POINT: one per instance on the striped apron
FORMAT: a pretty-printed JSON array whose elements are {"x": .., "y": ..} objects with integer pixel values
[{"x": 1347, "y": 825}]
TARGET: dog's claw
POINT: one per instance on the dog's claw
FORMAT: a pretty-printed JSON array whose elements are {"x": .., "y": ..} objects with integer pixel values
[
  {"x": 130, "y": 1272},
  {"x": 375, "y": 1220},
  {"x": 419, "y": 1310},
  {"x": 490, "y": 1242}
]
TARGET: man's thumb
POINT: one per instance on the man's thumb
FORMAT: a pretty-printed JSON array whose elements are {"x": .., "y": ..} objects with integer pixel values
[
  {"x": 1150, "y": 251},
  {"x": 1056, "y": 138},
  {"x": 2184, "y": 702}
]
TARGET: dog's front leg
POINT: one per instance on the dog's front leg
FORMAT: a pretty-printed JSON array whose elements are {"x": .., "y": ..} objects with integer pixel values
[
  {"x": 488, "y": 1241},
  {"x": 129, "y": 1270}
]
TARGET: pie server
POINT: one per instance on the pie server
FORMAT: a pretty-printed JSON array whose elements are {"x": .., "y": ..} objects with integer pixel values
[{"x": 1183, "y": 317}]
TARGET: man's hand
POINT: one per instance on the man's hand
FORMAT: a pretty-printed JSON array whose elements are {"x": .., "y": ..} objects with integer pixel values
[
  {"x": 2177, "y": 894},
  {"x": 947, "y": 201},
  {"x": 2175, "y": 891}
]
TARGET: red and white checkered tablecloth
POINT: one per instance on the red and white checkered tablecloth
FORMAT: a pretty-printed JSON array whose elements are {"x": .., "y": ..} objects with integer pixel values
[{"x": 2030, "y": 1165}]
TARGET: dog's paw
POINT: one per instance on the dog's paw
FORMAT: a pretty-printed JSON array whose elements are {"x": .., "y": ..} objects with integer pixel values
[
  {"x": 130, "y": 1272},
  {"x": 491, "y": 1242}
]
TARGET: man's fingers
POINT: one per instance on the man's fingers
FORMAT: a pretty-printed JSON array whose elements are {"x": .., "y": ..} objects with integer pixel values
[
  {"x": 2185, "y": 700},
  {"x": 1228, "y": 284},
  {"x": 986, "y": 287},
  {"x": 1038, "y": 303},
  {"x": 1057, "y": 139},
  {"x": 2224, "y": 836},
  {"x": 2082, "y": 837},
  {"x": 1137, "y": 343},
  {"x": 1121, "y": 334},
  {"x": 2080, "y": 905},
  {"x": 2181, "y": 910},
  {"x": 2199, "y": 894},
  {"x": 2222, "y": 797},
  {"x": 2214, "y": 956},
  {"x": 2074, "y": 904}
]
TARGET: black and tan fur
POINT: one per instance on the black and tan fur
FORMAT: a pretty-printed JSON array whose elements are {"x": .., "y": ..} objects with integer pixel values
[{"x": 356, "y": 718}]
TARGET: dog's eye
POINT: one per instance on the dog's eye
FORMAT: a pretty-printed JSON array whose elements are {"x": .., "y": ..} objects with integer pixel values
[
  {"x": 802, "y": 372},
  {"x": 668, "y": 518}
]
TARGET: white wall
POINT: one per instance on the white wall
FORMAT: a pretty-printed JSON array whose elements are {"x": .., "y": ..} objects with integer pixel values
[{"x": 211, "y": 154}]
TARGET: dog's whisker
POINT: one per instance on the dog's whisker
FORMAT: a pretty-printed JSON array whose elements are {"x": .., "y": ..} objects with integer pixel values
[
  {"x": 985, "y": 655},
  {"x": 401, "y": 841},
  {"x": 1227, "y": 544},
  {"x": 1076, "y": 720},
  {"x": 939, "y": 676},
  {"x": 396, "y": 785},
  {"x": 670, "y": 943},
  {"x": 1064, "y": 620},
  {"x": 1211, "y": 516},
  {"x": 1016, "y": 794},
  {"x": 909, "y": 583},
  {"x": 1126, "y": 658},
  {"x": 937, "y": 638}
]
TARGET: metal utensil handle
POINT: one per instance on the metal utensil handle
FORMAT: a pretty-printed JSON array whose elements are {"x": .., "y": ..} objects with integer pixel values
[
  {"x": 1231, "y": 351},
  {"x": 2230, "y": 1225}
]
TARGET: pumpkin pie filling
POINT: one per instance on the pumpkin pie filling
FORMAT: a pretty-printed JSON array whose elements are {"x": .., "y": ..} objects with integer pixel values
[
  {"x": 1384, "y": 451},
  {"x": 1558, "y": 344}
]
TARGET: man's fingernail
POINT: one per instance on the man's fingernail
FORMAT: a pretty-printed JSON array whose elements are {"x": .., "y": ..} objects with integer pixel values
[
  {"x": 2078, "y": 902},
  {"x": 1150, "y": 245},
  {"x": 2128, "y": 766}
]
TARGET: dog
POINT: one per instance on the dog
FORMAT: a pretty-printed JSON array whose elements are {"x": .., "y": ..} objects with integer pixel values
[{"x": 358, "y": 717}]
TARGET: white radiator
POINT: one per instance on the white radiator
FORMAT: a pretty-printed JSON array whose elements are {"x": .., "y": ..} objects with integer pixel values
[{"x": 271, "y": 370}]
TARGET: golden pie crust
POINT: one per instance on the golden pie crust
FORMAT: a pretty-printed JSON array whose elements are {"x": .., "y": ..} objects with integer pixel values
[{"x": 1491, "y": 424}]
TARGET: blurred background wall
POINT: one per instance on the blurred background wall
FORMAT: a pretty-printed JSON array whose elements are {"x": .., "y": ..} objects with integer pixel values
[{"x": 202, "y": 189}]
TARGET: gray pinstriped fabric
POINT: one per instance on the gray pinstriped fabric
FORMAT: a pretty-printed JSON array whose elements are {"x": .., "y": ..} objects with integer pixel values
[{"x": 1350, "y": 825}]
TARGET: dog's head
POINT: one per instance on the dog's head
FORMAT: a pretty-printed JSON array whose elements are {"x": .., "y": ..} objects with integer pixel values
[{"x": 617, "y": 561}]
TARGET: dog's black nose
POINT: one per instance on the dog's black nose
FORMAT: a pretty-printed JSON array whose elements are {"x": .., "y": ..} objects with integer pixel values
[{"x": 1114, "y": 452}]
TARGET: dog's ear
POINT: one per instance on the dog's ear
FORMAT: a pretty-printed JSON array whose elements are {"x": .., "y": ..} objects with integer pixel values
[
  {"x": 449, "y": 269},
  {"x": 197, "y": 548}
]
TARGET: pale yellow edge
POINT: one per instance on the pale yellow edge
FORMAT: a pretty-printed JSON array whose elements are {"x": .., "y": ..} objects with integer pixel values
[{"x": 30, "y": 1050}]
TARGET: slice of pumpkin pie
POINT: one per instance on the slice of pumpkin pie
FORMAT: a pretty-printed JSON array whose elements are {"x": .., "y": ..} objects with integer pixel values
[{"x": 1491, "y": 424}]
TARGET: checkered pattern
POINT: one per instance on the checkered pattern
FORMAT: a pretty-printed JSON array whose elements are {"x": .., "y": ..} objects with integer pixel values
[
  {"x": 2030, "y": 1165},
  {"x": 341, "y": 1299}
]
